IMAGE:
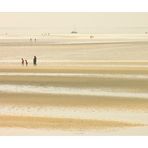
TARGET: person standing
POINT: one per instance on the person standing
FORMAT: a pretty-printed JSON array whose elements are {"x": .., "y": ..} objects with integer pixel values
[{"x": 34, "y": 60}]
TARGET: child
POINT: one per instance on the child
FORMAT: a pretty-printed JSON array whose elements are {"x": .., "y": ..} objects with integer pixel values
[{"x": 26, "y": 62}]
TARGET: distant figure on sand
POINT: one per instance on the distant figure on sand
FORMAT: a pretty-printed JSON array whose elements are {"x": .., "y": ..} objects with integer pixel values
[
  {"x": 26, "y": 62},
  {"x": 35, "y": 40},
  {"x": 30, "y": 39},
  {"x": 34, "y": 60},
  {"x": 22, "y": 61}
]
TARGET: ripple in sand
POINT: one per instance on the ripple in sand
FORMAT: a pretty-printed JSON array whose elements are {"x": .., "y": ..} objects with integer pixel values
[
  {"x": 84, "y": 75},
  {"x": 15, "y": 88}
]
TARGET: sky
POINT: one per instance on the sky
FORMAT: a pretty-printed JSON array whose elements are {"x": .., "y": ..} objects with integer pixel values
[{"x": 81, "y": 22}]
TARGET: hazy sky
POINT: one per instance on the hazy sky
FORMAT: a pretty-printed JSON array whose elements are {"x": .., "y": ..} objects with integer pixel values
[{"x": 81, "y": 22}]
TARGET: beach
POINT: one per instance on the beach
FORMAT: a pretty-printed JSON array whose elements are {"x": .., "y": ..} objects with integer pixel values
[{"x": 81, "y": 88}]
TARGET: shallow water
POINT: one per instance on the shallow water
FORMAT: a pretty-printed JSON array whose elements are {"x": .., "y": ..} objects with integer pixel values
[
  {"x": 91, "y": 113},
  {"x": 123, "y": 52},
  {"x": 112, "y": 92},
  {"x": 104, "y": 47},
  {"x": 84, "y": 75}
]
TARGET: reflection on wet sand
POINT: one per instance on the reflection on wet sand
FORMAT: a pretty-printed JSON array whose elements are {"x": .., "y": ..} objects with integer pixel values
[{"x": 79, "y": 102}]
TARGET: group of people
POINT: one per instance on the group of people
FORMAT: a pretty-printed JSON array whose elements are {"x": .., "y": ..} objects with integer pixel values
[
  {"x": 25, "y": 62},
  {"x": 32, "y": 40}
]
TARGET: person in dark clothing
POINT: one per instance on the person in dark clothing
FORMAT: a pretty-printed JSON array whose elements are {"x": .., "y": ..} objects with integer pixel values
[
  {"x": 22, "y": 61},
  {"x": 34, "y": 60}
]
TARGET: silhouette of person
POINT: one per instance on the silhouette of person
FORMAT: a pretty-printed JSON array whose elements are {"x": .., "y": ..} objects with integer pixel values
[
  {"x": 22, "y": 61},
  {"x": 34, "y": 60},
  {"x": 26, "y": 62}
]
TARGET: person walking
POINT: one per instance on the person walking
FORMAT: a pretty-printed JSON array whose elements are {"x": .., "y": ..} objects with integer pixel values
[
  {"x": 22, "y": 61},
  {"x": 30, "y": 39},
  {"x": 34, "y": 60},
  {"x": 26, "y": 62}
]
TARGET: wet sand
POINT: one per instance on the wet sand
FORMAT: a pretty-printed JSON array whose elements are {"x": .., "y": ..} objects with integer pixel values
[
  {"x": 79, "y": 87},
  {"x": 59, "y": 123},
  {"x": 73, "y": 113},
  {"x": 74, "y": 101}
]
